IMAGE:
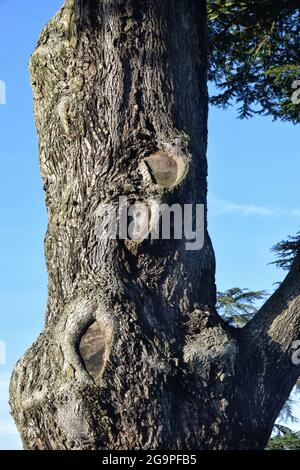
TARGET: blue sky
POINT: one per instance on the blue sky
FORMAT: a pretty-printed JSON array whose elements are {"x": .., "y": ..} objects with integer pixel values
[{"x": 253, "y": 196}]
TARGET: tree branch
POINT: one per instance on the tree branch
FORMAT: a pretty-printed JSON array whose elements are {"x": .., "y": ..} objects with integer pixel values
[{"x": 273, "y": 335}]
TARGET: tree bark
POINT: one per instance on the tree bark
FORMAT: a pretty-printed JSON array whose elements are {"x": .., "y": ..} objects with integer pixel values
[{"x": 133, "y": 354}]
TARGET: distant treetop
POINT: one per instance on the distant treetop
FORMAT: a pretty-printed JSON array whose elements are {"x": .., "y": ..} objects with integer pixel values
[{"x": 286, "y": 251}]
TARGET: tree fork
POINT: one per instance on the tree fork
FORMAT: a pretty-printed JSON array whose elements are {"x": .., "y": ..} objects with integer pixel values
[{"x": 133, "y": 354}]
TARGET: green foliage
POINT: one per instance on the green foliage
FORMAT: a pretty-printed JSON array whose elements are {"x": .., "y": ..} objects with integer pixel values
[
  {"x": 237, "y": 305},
  {"x": 255, "y": 56},
  {"x": 286, "y": 251},
  {"x": 284, "y": 440},
  {"x": 286, "y": 414}
]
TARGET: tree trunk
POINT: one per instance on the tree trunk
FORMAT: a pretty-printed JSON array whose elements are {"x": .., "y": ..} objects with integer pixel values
[{"x": 133, "y": 354}]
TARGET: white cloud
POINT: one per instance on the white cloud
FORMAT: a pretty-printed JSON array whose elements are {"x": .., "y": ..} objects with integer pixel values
[
  {"x": 219, "y": 206},
  {"x": 295, "y": 212}
]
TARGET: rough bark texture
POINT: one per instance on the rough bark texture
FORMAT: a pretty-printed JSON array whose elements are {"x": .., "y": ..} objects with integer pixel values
[{"x": 133, "y": 354}]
